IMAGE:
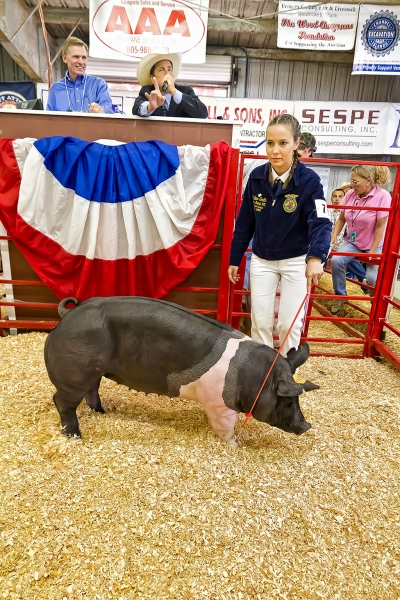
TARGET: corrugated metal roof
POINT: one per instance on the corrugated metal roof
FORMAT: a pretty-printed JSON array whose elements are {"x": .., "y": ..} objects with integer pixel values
[
  {"x": 61, "y": 3},
  {"x": 243, "y": 9},
  {"x": 296, "y": 80},
  {"x": 63, "y": 31},
  {"x": 9, "y": 70}
]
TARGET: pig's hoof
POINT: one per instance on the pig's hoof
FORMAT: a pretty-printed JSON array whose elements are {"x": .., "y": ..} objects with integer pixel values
[
  {"x": 98, "y": 409},
  {"x": 232, "y": 442},
  {"x": 71, "y": 434}
]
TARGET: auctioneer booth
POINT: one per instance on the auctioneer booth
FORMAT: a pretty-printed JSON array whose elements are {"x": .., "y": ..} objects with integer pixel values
[{"x": 31, "y": 299}]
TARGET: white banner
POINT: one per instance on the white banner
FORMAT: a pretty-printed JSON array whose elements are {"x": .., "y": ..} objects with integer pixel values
[
  {"x": 255, "y": 114},
  {"x": 345, "y": 127},
  {"x": 130, "y": 29},
  {"x": 339, "y": 127},
  {"x": 310, "y": 25},
  {"x": 377, "y": 46}
]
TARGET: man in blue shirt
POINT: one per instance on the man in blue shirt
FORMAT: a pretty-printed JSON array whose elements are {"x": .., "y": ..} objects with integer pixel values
[{"x": 78, "y": 92}]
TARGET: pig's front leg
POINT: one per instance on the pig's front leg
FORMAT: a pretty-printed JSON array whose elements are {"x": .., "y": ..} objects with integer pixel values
[
  {"x": 93, "y": 399},
  {"x": 222, "y": 420}
]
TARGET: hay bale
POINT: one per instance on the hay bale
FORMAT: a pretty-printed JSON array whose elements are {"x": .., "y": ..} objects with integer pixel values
[{"x": 151, "y": 505}]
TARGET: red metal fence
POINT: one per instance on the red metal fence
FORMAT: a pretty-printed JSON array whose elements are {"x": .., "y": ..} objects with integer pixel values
[{"x": 372, "y": 342}]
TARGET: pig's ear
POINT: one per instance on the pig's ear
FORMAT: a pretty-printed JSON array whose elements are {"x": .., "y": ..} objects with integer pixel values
[
  {"x": 286, "y": 385},
  {"x": 309, "y": 385},
  {"x": 297, "y": 357},
  {"x": 305, "y": 384}
]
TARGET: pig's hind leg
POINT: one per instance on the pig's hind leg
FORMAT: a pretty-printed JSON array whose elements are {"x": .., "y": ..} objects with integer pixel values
[
  {"x": 93, "y": 399},
  {"x": 69, "y": 396},
  {"x": 66, "y": 405}
]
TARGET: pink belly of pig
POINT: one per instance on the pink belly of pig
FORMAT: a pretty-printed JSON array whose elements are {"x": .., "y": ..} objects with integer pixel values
[{"x": 208, "y": 390}]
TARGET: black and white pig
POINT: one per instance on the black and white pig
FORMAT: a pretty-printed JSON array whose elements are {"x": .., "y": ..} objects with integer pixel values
[{"x": 155, "y": 346}]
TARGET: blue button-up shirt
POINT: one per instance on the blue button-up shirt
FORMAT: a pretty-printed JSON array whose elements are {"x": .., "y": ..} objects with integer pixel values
[{"x": 67, "y": 95}]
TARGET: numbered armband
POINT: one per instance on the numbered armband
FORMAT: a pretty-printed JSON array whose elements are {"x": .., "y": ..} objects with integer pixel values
[{"x": 321, "y": 210}]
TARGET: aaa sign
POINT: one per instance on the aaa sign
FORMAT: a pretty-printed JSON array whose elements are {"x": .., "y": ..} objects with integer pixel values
[{"x": 130, "y": 29}]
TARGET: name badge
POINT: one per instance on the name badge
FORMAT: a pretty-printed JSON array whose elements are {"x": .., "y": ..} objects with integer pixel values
[{"x": 353, "y": 236}]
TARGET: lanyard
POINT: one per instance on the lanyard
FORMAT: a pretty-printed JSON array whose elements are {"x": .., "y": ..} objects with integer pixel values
[
  {"x": 353, "y": 218},
  {"x": 69, "y": 98}
]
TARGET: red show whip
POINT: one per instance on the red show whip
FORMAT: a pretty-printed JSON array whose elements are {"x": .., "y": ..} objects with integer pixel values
[{"x": 250, "y": 413}]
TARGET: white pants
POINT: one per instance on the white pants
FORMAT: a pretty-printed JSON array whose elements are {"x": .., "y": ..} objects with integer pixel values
[{"x": 265, "y": 276}]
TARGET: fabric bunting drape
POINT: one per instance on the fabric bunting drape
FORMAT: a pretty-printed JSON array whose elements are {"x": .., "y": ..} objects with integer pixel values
[{"x": 104, "y": 219}]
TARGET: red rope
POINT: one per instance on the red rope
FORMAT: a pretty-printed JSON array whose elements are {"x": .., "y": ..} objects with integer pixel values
[{"x": 250, "y": 413}]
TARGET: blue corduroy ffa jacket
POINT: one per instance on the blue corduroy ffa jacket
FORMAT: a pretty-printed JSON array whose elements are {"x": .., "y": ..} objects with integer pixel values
[{"x": 286, "y": 225}]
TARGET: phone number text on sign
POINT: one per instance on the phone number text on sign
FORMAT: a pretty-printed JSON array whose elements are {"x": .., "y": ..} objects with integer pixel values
[{"x": 143, "y": 50}]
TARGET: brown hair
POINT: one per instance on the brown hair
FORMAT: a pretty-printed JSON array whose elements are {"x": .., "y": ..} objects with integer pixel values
[
  {"x": 291, "y": 123},
  {"x": 72, "y": 41},
  {"x": 155, "y": 64},
  {"x": 338, "y": 190},
  {"x": 378, "y": 175}
]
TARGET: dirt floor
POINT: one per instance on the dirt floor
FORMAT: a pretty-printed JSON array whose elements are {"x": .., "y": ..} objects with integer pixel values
[{"x": 151, "y": 505}]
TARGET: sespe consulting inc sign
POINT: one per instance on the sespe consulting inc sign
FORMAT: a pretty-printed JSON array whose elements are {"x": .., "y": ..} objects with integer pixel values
[{"x": 130, "y": 29}]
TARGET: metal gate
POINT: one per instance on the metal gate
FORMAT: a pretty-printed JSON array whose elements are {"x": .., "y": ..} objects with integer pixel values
[{"x": 376, "y": 319}]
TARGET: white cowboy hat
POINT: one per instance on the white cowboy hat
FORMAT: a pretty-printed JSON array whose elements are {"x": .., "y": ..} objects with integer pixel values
[{"x": 143, "y": 68}]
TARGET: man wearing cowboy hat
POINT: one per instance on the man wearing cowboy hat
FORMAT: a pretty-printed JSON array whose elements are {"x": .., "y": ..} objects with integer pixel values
[{"x": 159, "y": 96}]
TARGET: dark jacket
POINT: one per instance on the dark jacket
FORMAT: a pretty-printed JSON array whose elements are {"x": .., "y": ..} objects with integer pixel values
[
  {"x": 189, "y": 108},
  {"x": 291, "y": 227}
]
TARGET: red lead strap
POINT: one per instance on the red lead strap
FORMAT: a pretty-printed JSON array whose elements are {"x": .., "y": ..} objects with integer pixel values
[{"x": 250, "y": 413}]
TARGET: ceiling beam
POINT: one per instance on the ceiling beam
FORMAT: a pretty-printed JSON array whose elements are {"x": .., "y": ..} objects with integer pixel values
[
  {"x": 19, "y": 36},
  {"x": 65, "y": 16},
  {"x": 220, "y": 24},
  {"x": 304, "y": 55}
]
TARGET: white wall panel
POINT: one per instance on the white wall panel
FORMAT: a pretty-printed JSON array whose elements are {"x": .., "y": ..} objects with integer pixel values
[{"x": 216, "y": 70}]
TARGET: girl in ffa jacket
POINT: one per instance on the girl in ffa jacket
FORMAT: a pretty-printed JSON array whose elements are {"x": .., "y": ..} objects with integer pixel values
[{"x": 285, "y": 213}]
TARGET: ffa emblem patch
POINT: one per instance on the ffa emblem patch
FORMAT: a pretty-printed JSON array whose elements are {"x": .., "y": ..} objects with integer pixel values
[
  {"x": 259, "y": 202},
  {"x": 290, "y": 204}
]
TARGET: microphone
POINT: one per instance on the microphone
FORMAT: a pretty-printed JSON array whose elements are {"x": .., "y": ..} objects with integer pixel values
[{"x": 164, "y": 86}]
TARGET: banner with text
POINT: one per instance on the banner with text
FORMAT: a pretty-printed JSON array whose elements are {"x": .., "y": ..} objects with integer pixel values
[
  {"x": 130, "y": 29},
  {"x": 377, "y": 44},
  {"x": 347, "y": 127},
  {"x": 254, "y": 114},
  {"x": 312, "y": 26}
]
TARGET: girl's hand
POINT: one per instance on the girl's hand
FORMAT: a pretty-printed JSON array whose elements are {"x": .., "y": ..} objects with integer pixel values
[
  {"x": 233, "y": 274},
  {"x": 314, "y": 271}
]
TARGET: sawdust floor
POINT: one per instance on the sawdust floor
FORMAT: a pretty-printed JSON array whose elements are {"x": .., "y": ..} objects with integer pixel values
[{"x": 151, "y": 505}]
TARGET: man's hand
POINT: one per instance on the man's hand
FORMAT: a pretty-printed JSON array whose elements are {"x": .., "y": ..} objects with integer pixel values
[
  {"x": 314, "y": 271},
  {"x": 171, "y": 89},
  {"x": 155, "y": 98},
  {"x": 233, "y": 274},
  {"x": 95, "y": 108}
]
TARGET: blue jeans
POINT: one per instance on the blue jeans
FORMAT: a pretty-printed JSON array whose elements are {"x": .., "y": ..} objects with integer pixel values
[
  {"x": 355, "y": 270},
  {"x": 339, "y": 263}
]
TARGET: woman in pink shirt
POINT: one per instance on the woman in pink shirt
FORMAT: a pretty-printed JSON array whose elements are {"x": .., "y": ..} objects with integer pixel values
[{"x": 365, "y": 228}]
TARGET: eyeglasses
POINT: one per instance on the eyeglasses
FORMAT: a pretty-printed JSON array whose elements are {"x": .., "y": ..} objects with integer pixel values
[{"x": 354, "y": 182}]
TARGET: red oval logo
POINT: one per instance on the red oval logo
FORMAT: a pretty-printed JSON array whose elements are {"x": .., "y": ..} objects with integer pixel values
[{"x": 135, "y": 28}]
